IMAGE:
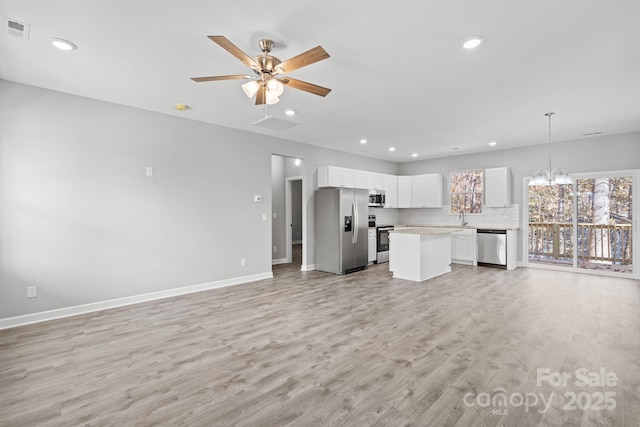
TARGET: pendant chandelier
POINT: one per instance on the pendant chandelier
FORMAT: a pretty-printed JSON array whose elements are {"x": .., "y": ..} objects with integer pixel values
[{"x": 550, "y": 176}]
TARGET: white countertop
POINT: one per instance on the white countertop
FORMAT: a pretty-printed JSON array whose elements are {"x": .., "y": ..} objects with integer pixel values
[
  {"x": 460, "y": 227},
  {"x": 425, "y": 230}
]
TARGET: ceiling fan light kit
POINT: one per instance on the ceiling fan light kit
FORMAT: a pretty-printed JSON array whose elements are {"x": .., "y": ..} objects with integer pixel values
[{"x": 267, "y": 88}]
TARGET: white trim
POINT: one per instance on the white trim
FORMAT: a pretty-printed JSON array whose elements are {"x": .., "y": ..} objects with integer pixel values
[
  {"x": 279, "y": 261},
  {"x": 310, "y": 267},
  {"x": 27, "y": 319}
]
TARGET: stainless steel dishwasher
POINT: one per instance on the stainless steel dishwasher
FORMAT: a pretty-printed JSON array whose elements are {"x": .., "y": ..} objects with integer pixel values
[{"x": 492, "y": 248}]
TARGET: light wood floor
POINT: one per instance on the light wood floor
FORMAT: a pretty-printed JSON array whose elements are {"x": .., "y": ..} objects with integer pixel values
[{"x": 307, "y": 349}]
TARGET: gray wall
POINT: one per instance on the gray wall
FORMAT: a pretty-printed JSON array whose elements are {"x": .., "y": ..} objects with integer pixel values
[
  {"x": 596, "y": 154},
  {"x": 79, "y": 218}
]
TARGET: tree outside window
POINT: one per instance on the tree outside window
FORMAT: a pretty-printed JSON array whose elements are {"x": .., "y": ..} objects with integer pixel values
[{"x": 466, "y": 191}]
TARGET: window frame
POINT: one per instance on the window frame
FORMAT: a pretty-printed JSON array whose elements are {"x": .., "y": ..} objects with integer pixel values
[{"x": 453, "y": 193}]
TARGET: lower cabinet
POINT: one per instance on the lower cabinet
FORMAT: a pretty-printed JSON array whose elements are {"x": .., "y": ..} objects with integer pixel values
[
  {"x": 373, "y": 250},
  {"x": 463, "y": 247}
]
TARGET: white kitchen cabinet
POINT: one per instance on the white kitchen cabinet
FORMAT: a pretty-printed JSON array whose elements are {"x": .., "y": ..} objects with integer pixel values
[
  {"x": 360, "y": 179},
  {"x": 427, "y": 190},
  {"x": 390, "y": 186},
  {"x": 417, "y": 191},
  {"x": 375, "y": 181},
  {"x": 512, "y": 249},
  {"x": 497, "y": 187},
  {"x": 433, "y": 190},
  {"x": 404, "y": 191},
  {"x": 335, "y": 176},
  {"x": 348, "y": 178},
  {"x": 329, "y": 176},
  {"x": 372, "y": 245},
  {"x": 463, "y": 247}
]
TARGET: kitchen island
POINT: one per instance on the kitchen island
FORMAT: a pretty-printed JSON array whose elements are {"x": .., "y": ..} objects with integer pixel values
[{"x": 420, "y": 253}]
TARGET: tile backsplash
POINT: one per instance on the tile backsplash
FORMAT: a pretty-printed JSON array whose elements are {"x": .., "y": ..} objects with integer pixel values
[{"x": 507, "y": 217}]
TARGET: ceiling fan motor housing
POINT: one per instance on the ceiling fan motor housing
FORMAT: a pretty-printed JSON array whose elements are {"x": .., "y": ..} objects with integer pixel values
[{"x": 266, "y": 63}]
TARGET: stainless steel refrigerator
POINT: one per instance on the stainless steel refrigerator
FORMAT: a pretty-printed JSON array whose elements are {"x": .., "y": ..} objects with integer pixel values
[{"x": 341, "y": 222}]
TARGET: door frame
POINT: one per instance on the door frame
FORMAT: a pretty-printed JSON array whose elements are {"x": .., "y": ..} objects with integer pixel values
[
  {"x": 635, "y": 173},
  {"x": 288, "y": 217}
]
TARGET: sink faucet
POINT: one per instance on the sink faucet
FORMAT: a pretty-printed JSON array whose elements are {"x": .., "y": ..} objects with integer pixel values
[{"x": 461, "y": 216}]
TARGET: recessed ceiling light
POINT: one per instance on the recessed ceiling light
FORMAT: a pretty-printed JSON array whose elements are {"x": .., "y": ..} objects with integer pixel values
[
  {"x": 63, "y": 44},
  {"x": 392, "y": 148},
  {"x": 493, "y": 143},
  {"x": 363, "y": 141},
  {"x": 290, "y": 112},
  {"x": 414, "y": 155},
  {"x": 472, "y": 42},
  {"x": 181, "y": 107}
]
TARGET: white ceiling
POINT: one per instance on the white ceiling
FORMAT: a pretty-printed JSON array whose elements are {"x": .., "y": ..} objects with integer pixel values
[{"x": 398, "y": 73}]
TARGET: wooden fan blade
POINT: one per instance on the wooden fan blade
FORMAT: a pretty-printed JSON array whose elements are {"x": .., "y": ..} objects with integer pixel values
[
  {"x": 215, "y": 78},
  {"x": 306, "y": 58},
  {"x": 261, "y": 95},
  {"x": 224, "y": 43},
  {"x": 307, "y": 87}
]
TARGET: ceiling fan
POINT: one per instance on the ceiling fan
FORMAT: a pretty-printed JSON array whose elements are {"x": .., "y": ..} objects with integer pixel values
[{"x": 267, "y": 87}]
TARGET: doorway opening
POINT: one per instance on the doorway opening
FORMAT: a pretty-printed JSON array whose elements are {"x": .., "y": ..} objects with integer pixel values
[{"x": 288, "y": 211}]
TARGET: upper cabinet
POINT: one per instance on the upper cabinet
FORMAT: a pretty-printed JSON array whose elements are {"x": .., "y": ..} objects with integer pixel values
[
  {"x": 427, "y": 191},
  {"x": 390, "y": 187},
  {"x": 497, "y": 187},
  {"x": 360, "y": 179},
  {"x": 375, "y": 181},
  {"x": 419, "y": 191},
  {"x": 335, "y": 176},
  {"x": 404, "y": 191}
]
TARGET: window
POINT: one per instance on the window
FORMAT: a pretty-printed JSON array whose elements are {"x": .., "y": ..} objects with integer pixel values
[{"x": 466, "y": 191}]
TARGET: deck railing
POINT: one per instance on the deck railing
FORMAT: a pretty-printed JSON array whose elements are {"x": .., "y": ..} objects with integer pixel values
[{"x": 596, "y": 242}]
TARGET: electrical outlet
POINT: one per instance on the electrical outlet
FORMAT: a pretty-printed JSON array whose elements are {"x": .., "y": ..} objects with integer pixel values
[
  {"x": 275, "y": 249},
  {"x": 243, "y": 262},
  {"x": 32, "y": 291}
]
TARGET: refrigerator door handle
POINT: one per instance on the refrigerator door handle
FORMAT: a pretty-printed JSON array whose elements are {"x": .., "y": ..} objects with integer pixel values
[{"x": 354, "y": 209}]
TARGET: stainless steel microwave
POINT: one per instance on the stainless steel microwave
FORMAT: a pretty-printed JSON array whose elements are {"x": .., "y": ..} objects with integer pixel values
[{"x": 376, "y": 198}]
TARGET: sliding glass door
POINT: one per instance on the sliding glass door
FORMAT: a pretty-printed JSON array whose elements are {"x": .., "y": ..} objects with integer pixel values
[
  {"x": 587, "y": 226},
  {"x": 551, "y": 225},
  {"x": 605, "y": 230}
]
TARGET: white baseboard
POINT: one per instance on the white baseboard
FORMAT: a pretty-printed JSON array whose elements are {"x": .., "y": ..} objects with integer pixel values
[
  {"x": 27, "y": 319},
  {"x": 278, "y": 261},
  {"x": 309, "y": 267}
]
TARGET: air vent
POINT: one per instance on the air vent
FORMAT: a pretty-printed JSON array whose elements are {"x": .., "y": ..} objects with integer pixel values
[
  {"x": 275, "y": 124},
  {"x": 592, "y": 134},
  {"x": 15, "y": 28}
]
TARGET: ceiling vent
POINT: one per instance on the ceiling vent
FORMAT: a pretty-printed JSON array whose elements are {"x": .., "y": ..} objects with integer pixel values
[
  {"x": 15, "y": 28},
  {"x": 275, "y": 124}
]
